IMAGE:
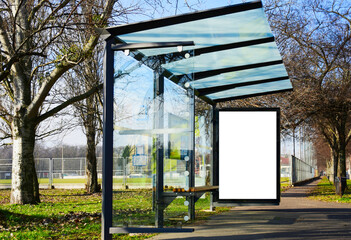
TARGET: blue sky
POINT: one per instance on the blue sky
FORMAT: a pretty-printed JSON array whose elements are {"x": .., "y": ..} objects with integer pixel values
[
  {"x": 195, "y": 4},
  {"x": 76, "y": 137}
]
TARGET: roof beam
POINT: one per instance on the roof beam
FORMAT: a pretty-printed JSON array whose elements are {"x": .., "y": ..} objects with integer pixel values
[
  {"x": 210, "y": 73},
  {"x": 135, "y": 27},
  {"x": 198, "y": 51},
  {"x": 209, "y": 90},
  {"x": 251, "y": 95},
  {"x": 217, "y": 48},
  {"x": 147, "y": 45}
]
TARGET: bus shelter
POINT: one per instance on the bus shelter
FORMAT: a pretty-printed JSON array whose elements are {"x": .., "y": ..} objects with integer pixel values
[{"x": 163, "y": 79}]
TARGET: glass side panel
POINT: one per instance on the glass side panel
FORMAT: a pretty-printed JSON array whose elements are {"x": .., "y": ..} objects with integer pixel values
[
  {"x": 179, "y": 147},
  {"x": 203, "y": 143},
  {"x": 152, "y": 130},
  {"x": 247, "y": 25},
  {"x": 253, "y": 89},
  {"x": 134, "y": 165},
  {"x": 178, "y": 109},
  {"x": 243, "y": 76}
]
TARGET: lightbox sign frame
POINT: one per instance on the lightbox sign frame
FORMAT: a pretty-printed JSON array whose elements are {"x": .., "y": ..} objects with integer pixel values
[{"x": 247, "y": 156}]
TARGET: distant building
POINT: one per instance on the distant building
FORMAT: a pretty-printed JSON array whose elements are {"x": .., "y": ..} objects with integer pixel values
[{"x": 285, "y": 167}]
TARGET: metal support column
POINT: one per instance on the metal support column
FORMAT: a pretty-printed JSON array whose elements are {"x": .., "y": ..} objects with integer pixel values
[
  {"x": 191, "y": 163},
  {"x": 159, "y": 124},
  {"x": 212, "y": 183},
  {"x": 293, "y": 170},
  {"x": 215, "y": 146},
  {"x": 107, "y": 154}
]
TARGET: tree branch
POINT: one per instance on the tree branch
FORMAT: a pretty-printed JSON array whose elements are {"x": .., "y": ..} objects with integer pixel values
[
  {"x": 8, "y": 89},
  {"x": 12, "y": 60},
  {"x": 5, "y": 120},
  {"x": 348, "y": 137},
  {"x": 4, "y": 40},
  {"x": 35, "y": 9},
  {"x": 69, "y": 102},
  {"x": 38, "y": 100}
]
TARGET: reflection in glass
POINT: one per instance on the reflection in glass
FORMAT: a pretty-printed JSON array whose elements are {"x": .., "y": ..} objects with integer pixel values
[
  {"x": 153, "y": 123},
  {"x": 252, "y": 89},
  {"x": 250, "y": 25},
  {"x": 134, "y": 165},
  {"x": 203, "y": 143}
]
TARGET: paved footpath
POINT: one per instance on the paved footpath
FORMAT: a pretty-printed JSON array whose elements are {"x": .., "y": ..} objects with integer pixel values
[{"x": 295, "y": 218}]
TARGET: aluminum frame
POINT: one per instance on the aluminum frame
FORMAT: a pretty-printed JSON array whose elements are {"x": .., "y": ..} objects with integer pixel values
[
  {"x": 244, "y": 202},
  {"x": 112, "y": 44},
  {"x": 162, "y": 199},
  {"x": 207, "y": 14}
]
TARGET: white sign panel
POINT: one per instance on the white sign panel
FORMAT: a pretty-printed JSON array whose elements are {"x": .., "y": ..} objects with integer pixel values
[{"x": 248, "y": 161}]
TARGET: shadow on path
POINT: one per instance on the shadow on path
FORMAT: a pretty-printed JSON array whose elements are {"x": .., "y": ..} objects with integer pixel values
[
  {"x": 297, "y": 217},
  {"x": 292, "y": 234}
]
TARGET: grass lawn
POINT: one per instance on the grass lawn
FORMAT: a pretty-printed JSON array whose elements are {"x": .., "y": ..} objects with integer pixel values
[
  {"x": 5, "y": 181},
  {"x": 284, "y": 180},
  {"x": 284, "y": 183},
  {"x": 83, "y": 180},
  {"x": 325, "y": 191},
  {"x": 46, "y": 180},
  {"x": 72, "y": 214}
]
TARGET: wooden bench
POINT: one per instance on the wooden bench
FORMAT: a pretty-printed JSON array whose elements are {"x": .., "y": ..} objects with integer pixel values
[{"x": 197, "y": 189}]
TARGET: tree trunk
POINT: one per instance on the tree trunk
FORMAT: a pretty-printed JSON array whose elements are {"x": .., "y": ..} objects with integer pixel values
[
  {"x": 334, "y": 164},
  {"x": 342, "y": 166},
  {"x": 25, "y": 186},
  {"x": 92, "y": 181},
  {"x": 342, "y": 162}
]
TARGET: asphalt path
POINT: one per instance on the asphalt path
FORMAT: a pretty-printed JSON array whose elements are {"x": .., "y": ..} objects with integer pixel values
[{"x": 297, "y": 217}]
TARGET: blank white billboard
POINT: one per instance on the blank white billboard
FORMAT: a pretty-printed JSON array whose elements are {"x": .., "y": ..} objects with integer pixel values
[{"x": 248, "y": 155}]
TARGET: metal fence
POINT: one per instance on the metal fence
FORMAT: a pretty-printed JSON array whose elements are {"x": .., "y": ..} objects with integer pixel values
[
  {"x": 300, "y": 162},
  {"x": 52, "y": 168},
  {"x": 5, "y": 168},
  {"x": 301, "y": 170},
  {"x": 298, "y": 170},
  {"x": 127, "y": 174},
  {"x": 63, "y": 167},
  {"x": 64, "y": 171}
]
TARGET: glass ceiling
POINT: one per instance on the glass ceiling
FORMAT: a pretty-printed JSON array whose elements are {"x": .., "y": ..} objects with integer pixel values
[{"x": 235, "y": 53}]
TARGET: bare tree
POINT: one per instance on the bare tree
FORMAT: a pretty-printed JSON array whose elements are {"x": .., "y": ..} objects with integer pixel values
[
  {"x": 89, "y": 111},
  {"x": 34, "y": 42},
  {"x": 315, "y": 39}
]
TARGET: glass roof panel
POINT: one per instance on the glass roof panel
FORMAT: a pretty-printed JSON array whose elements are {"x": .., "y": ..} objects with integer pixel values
[
  {"x": 225, "y": 59},
  {"x": 242, "y": 76},
  {"x": 252, "y": 89},
  {"x": 233, "y": 45},
  {"x": 229, "y": 28}
]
